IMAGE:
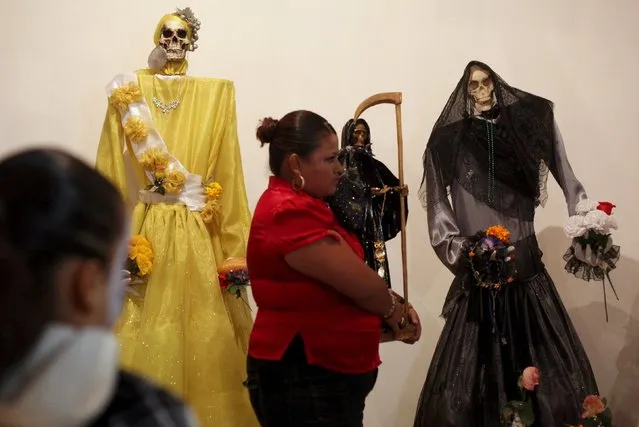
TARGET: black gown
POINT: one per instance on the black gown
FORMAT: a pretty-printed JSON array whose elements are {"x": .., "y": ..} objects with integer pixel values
[
  {"x": 480, "y": 171},
  {"x": 374, "y": 218}
]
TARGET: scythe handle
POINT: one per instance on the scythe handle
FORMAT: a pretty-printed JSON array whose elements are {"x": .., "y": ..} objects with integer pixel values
[{"x": 394, "y": 98}]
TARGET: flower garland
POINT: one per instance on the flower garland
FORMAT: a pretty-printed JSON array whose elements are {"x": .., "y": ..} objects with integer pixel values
[
  {"x": 490, "y": 255},
  {"x": 520, "y": 413},
  {"x": 139, "y": 263},
  {"x": 165, "y": 173},
  {"x": 592, "y": 255},
  {"x": 233, "y": 276}
]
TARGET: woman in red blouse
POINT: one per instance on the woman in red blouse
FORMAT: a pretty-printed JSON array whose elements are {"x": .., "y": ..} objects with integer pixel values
[{"x": 314, "y": 347}]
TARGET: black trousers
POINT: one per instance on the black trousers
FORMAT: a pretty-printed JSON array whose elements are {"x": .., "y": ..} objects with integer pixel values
[{"x": 291, "y": 393}]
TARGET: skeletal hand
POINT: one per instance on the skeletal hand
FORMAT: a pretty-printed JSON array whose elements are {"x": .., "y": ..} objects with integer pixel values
[
  {"x": 590, "y": 257},
  {"x": 379, "y": 191},
  {"x": 402, "y": 189},
  {"x": 128, "y": 280}
]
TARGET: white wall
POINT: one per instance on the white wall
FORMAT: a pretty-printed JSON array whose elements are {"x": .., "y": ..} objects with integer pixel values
[{"x": 327, "y": 56}]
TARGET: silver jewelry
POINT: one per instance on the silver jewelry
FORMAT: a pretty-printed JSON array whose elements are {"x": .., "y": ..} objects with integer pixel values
[{"x": 166, "y": 108}]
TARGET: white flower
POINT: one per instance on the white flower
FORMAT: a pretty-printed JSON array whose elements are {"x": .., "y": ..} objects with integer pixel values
[
  {"x": 575, "y": 226},
  {"x": 585, "y": 206},
  {"x": 600, "y": 222}
]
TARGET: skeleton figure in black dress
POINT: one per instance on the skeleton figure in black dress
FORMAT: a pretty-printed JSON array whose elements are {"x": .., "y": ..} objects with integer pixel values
[
  {"x": 368, "y": 196},
  {"x": 486, "y": 164}
]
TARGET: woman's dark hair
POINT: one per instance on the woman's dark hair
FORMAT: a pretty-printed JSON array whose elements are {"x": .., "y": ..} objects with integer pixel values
[
  {"x": 298, "y": 132},
  {"x": 52, "y": 207}
]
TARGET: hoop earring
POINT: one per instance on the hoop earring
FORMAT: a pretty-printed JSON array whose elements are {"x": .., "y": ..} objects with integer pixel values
[{"x": 298, "y": 183}]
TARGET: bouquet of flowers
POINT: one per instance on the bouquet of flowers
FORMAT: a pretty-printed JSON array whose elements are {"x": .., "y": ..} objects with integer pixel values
[
  {"x": 139, "y": 264},
  {"x": 596, "y": 413},
  {"x": 519, "y": 413},
  {"x": 592, "y": 255},
  {"x": 233, "y": 276},
  {"x": 490, "y": 255}
]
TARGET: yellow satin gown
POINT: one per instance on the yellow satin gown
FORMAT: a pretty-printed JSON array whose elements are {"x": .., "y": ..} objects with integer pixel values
[{"x": 183, "y": 331}]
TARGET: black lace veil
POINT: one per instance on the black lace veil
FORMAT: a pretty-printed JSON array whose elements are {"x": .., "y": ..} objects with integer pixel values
[{"x": 517, "y": 135}]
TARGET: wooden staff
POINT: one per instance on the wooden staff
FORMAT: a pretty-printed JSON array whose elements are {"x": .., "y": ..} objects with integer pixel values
[{"x": 395, "y": 98}]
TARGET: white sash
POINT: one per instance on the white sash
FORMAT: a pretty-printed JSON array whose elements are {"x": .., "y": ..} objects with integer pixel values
[{"x": 192, "y": 192}]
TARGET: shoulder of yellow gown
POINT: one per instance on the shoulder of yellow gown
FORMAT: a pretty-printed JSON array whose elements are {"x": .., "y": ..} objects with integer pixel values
[{"x": 150, "y": 72}]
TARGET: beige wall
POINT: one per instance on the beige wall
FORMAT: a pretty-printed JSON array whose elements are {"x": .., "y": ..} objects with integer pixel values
[{"x": 329, "y": 55}]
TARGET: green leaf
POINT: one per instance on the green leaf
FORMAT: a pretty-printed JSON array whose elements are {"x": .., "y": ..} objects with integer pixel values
[
  {"x": 508, "y": 413},
  {"x": 527, "y": 414}
]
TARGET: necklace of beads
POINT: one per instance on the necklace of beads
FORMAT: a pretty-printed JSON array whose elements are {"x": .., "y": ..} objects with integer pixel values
[{"x": 490, "y": 133}]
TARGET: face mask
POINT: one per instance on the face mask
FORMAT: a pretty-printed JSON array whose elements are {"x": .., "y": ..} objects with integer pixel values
[
  {"x": 70, "y": 375},
  {"x": 67, "y": 380}
]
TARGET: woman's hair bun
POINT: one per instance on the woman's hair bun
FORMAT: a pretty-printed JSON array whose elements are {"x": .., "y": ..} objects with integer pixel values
[{"x": 266, "y": 130}]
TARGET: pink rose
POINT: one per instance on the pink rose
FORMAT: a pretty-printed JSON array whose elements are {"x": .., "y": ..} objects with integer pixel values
[
  {"x": 593, "y": 405},
  {"x": 530, "y": 378}
]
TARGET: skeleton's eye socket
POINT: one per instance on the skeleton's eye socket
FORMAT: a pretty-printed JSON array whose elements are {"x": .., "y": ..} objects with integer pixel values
[
  {"x": 167, "y": 33},
  {"x": 181, "y": 33},
  {"x": 473, "y": 85},
  {"x": 487, "y": 81}
]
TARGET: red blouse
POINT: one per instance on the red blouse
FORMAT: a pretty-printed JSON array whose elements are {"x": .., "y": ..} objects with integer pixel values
[{"x": 337, "y": 334}]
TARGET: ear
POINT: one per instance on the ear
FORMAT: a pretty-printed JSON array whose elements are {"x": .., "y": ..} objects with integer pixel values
[
  {"x": 82, "y": 290},
  {"x": 295, "y": 164}
]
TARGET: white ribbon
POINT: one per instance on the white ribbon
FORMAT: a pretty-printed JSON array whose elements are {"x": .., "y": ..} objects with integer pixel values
[{"x": 192, "y": 193}]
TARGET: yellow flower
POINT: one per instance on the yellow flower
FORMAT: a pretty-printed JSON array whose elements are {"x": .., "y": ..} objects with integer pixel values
[
  {"x": 136, "y": 130},
  {"x": 155, "y": 160},
  {"x": 123, "y": 96},
  {"x": 213, "y": 191},
  {"x": 139, "y": 240},
  {"x": 499, "y": 232},
  {"x": 145, "y": 265},
  {"x": 173, "y": 181},
  {"x": 141, "y": 251},
  {"x": 210, "y": 211}
]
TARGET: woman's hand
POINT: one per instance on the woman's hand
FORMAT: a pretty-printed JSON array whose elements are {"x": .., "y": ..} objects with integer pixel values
[
  {"x": 397, "y": 320},
  {"x": 413, "y": 318}
]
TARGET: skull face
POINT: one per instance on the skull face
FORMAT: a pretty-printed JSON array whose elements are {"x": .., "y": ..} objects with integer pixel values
[
  {"x": 175, "y": 40},
  {"x": 481, "y": 88}
]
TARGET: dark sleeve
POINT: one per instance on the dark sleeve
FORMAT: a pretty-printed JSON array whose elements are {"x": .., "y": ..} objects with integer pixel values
[
  {"x": 138, "y": 402},
  {"x": 391, "y": 215},
  {"x": 444, "y": 233}
]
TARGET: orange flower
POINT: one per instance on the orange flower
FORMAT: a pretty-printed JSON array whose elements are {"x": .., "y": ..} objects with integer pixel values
[
  {"x": 510, "y": 280},
  {"x": 471, "y": 253},
  {"x": 500, "y": 232},
  {"x": 593, "y": 405}
]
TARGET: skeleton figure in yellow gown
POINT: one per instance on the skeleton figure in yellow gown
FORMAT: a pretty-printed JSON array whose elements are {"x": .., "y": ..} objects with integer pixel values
[{"x": 170, "y": 144}]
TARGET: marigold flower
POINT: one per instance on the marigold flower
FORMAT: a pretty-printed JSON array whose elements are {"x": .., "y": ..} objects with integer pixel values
[
  {"x": 213, "y": 191},
  {"x": 499, "y": 232},
  {"x": 125, "y": 95},
  {"x": 136, "y": 130},
  {"x": 155, "y": 160}
]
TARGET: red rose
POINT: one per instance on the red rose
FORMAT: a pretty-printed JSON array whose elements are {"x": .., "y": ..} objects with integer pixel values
[
  {"x": 606, "y": 207},
  {"x": 224, "y": 283}
]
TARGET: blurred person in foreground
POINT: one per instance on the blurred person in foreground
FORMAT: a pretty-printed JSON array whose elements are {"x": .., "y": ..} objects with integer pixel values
[
  {"x": 63, "y": 244},
  {"x": 314, "y": 347}
]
